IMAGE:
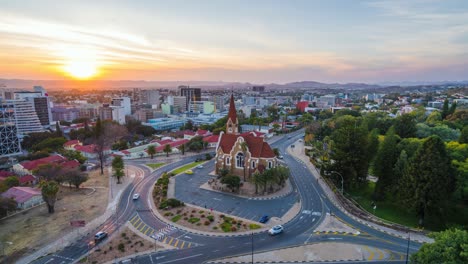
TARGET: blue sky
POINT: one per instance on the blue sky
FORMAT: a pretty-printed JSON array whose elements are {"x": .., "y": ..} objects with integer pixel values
[{"x": 256, "y": 41}]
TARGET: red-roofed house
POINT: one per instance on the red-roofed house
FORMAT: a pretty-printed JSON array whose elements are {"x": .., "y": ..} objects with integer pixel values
[
  {"x": 174, "y": 145},
  {"x": 70, "y": 145},
  {"x": 203, "y": 133},
  {"x": 188, "y": 134},
  {"x": 89, "y": 151},
  {"x": 200, "y": 133},
  {"x": 242, "y": 154},
  {"x": 211, "y": 140},
  {"x": 5, "y": 174},
  {"x": 27, "y": 180},
  {"x": 25, "y": 196},
  {"x": 27, "y": 167}
]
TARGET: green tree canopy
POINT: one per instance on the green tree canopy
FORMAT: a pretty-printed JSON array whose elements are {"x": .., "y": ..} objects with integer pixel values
[
  {"x": 349, "y": 150},
  {"x": 167, "y": 149},
  {"x": 463, "y": 135},
  {"x": 231, "y": 181},
  {"x": 405, "y": 126},
  {"x": 427, "y": 185},
  {"x": 49, "y": 190},
  {"x": 151, "y": 150},
  {"x": 118, "y": 167},
  {"x": 7, "y": 205},
  {"x": 386, "y": 158},
  {"x": 450, "y": 246}
]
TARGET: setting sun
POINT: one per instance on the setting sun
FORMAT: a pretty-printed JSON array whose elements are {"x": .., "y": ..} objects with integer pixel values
[{"x": 81, "y": 70}]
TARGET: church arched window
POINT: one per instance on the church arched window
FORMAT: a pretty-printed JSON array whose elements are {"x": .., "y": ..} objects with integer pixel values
[{"x": 240, "y": 160}]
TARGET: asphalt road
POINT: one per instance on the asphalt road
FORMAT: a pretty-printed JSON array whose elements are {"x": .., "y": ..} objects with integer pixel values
[{"x": 297, "y": 232}]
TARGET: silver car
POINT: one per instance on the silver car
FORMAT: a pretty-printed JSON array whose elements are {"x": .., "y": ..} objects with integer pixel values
[{"x": 276, "y": 230}]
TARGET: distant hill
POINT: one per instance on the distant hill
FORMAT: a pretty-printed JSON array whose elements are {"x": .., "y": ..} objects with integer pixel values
[{"x": 130, "y": 84}]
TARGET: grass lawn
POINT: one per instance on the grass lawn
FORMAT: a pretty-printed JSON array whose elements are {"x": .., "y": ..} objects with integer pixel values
[
  {"x": 187, "y": 167},
  {"x": 155, "y": 165},
  {"x": 385, "y": 209}
]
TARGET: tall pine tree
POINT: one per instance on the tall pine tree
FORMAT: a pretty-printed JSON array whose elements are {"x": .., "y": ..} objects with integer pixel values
[
  {"x": 428, "y": 183},
  {"x": 445, "y": 109},
  {"x": 350, "y": 151},
  {"x": 386, "y": 158}
]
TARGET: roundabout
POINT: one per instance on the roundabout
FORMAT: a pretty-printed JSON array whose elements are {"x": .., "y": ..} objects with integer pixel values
[{"x": 301, "y": 225}]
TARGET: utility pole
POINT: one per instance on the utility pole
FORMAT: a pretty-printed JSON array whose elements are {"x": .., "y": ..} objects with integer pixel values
[
  {"x": 342, "y": 180},
  {"x": 407, "y": 249},
  {"x": 252, "y": 247}
]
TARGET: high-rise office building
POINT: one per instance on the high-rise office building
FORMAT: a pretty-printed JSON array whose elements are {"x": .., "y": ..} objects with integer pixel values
[
  {"x": 123, "y": 102},
  {"x": 150, "y": 97},
  {"x": 41, "y": 102},
  {"x": 27, "y": 120},
  {"x": 9, "y": 141},
  {"x": 191, "y": 94},
  {"x": 179, "y": 103},
  {"x": 105, "y": 112}
]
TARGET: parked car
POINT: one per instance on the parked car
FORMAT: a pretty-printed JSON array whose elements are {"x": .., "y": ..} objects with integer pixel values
[
  {"x": 276, "y": 230},
  {"x": 289, "y": 137},
  {"x": 264, "y": 219},
  {"x": 200, "y": 167},
  {"x": 189, "y": 172},
  {"x": 100, "y": 236},
  {"x": 136, "y": 196},
  {"x": 280, "y": 157}
]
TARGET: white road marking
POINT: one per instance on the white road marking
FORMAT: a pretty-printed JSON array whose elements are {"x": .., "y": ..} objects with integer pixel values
[{"x": 194, "y": 256}]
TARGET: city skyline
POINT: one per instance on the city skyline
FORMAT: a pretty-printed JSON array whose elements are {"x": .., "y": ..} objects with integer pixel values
[{"x": 261, "y": 42}]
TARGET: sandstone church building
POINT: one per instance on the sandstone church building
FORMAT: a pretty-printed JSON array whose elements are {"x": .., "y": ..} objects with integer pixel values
[{"x": 242, "y": 154}]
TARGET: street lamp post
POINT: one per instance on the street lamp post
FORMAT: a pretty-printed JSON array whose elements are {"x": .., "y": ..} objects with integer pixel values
[
  {"x": 407, "y": 248},
  {"x": 342, "y": 180},
  {"x": 252, "y": 247}
]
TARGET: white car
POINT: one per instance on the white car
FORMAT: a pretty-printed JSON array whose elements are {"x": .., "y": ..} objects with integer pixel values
[
  {"x": 200, "y": 167},
  {"x": 136, "y": 196},
  {"x": 276, "y": 230}
]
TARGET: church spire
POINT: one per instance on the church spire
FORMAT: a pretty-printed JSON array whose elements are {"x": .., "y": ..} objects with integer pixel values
[{"x": 232, "y": 122}]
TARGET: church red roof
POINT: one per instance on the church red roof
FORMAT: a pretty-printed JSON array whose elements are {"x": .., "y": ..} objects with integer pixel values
[
  {"x": 257, "y": 147},
  {"x": 232, "y": 110}
]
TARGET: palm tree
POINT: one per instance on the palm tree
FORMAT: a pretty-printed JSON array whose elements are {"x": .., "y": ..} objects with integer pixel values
[
  {"x": 244, "y": 148},
  {"x": 182, "y": 148},
  {"x": 167, "y": 149},
  {"x": 257, "y": 180},
  {"x": 118, "y": 166},
  {"x": 151, "y": 150},
  {"x": 49, "y": 190}
]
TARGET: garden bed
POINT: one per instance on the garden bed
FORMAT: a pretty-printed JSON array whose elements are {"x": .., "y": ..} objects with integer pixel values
[{"x": 207, "y": 220}]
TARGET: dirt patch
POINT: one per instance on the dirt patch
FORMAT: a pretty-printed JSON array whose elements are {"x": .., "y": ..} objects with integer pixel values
[
  {"x": 120, "y": 245},
  {"x": 35, "y": 228},
  {"x": 207, "y": 220}
]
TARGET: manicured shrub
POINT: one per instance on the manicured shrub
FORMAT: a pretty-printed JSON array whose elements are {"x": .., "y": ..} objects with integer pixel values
[
  {"x": 207, "y": 222},
  {"x": 254, "y": 226},
  {"x": 121, "y": 247},
  {"x": 176, "y": 218},
  {"x": 193, "y": 220},
  {"x": 211, "y": 218}
]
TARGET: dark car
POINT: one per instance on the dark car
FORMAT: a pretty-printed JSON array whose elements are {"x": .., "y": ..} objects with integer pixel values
[{"x": 264, "y": 219}]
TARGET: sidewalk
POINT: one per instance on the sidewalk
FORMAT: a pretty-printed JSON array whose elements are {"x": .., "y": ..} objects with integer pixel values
[
  {"x": 73, "y": 236},
  {"x": 298, "y": 153}
]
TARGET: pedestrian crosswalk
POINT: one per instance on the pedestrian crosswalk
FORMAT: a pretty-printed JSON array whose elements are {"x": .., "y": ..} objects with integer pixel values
[
  {"x": 338, "y": 233},
  {"x": 162, "y": 235}
]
